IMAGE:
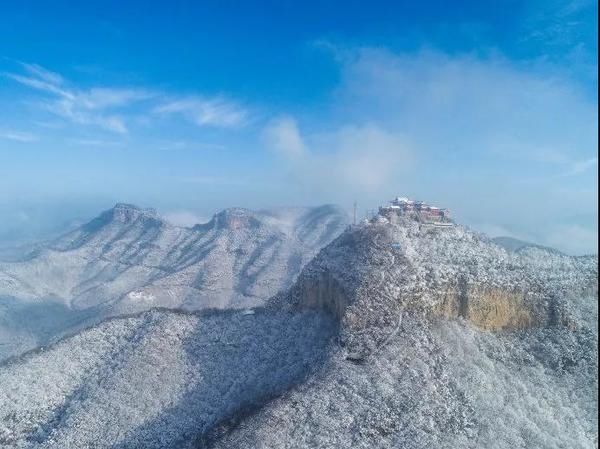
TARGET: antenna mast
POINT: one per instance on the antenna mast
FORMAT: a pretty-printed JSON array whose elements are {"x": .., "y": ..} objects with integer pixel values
[{"x": 354, "y": 219}]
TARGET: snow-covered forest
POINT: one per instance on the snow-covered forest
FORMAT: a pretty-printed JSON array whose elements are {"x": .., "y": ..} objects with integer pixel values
[{"x": 394, "y": 335}]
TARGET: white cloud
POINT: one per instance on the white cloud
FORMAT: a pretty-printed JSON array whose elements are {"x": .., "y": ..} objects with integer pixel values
[
  {"x": 76, "y": 113},
  {"x": 488, "y": 138},
  {"x": 579, "y": 167},
  {"x": 18, "y": 136},
  {"x": 95, "y": 142},
  {"x": 190, "y": 145},
  {"x": 184, "y": 218},
  {"x": 283, "y": 136},
  {"x": 112, "y": 108},
  {"x": 217, "y": 112},
  {"x": 94, "y": 106},
  {"x": 104, "y": 97},
  {"x": 361, "y": 157},
  {"x": 48, "y": 124},
  {"x": 40, "y": 84},
  {"x": 496, "y": 230},
  {"x": 474, "y": 120},
  {"x": 572, "y": 238},
  {"x": 476, "y": 105},
  {"x": 370, "y": 156},
  {"x": 43, "y": 74},
  {"x": 212, "y": 180}
]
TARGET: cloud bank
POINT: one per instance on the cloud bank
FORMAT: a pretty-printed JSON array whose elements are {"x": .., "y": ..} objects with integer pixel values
[
  {"x": 218, "y": 112},
  {"x": 350, "y": 157}
]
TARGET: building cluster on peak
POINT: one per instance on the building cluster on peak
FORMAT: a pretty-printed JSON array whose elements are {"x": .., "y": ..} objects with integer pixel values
[{"x": 414, "y": 209}]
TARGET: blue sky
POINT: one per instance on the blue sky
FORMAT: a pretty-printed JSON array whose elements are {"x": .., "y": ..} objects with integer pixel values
[{"x": 488, "y": 108}]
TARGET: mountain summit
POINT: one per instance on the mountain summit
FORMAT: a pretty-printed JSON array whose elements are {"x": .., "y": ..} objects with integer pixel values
[
  {"x": 374, "y": 273},
  {"x": 128, "y": 212}
]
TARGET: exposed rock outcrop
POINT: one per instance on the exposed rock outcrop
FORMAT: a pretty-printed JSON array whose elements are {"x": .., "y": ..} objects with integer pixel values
[
  {"x": 323, "y": 292},
  {"x": 490, "y": 309}
]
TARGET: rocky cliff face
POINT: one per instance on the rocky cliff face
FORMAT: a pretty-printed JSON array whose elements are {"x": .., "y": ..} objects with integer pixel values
[{"x": 488, "y": 309}]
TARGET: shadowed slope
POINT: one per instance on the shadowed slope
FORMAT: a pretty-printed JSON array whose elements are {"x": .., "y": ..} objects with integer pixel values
[{"x": 161, "y": 379}]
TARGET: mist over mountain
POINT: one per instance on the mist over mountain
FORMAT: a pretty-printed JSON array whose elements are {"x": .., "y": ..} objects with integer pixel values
[
  {"x": 129, "y": 259},
  {"x": 512, "y": 244},
  {"x": 396, "y": 334}
]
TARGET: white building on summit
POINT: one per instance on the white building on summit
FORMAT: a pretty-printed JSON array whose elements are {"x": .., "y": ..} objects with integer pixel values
[{"x": 419, "y": 210}]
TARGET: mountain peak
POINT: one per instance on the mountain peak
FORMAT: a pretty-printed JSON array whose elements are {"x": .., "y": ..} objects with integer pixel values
[
  {"x": 127, "y": 213},
  {"x": 234, "y": 218}
]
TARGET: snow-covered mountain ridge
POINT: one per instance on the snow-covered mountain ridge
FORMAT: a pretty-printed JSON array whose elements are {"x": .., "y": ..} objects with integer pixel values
[
  {"x": 366, "y": 350},
  {"x": 127, "y": 249},
  {"x": 159, "y": 379},
  {"x": 129, "y": 259}
]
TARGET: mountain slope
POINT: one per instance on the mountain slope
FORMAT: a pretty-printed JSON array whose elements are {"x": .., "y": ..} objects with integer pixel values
[
  {"x": 445, "y": 386},
  {"x": 394, "y": 335},
  {"x": 158, "y": 379},
  {"x": 128, "y": 260},
  {"x": 445, "y": 340}
]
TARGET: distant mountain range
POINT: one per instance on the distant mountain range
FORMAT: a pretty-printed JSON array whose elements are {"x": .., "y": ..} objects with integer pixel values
[
  {"x": 512, "y": 244},
  {"x": 129, "y": 259}
]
